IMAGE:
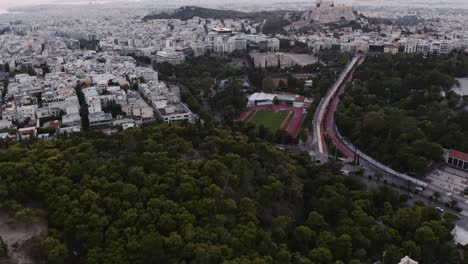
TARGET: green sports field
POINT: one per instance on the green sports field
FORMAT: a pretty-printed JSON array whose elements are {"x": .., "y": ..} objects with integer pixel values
[{"x": 269, "y": 119}]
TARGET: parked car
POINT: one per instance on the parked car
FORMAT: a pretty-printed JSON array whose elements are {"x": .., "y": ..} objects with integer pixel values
[{"x": 441, "y": 210}]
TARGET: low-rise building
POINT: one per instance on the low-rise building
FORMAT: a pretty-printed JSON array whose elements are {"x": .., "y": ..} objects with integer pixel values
[
  {"x": 457, "y": 159},
  {"x": 100, "y": 119},
  {"x": 6, "y": 124},
  {"x": 261, "y": 99},
  {"x": 27, "y": 111},
  {"x": 176, "y": 112},
  {"x": 71, "y": 120}
]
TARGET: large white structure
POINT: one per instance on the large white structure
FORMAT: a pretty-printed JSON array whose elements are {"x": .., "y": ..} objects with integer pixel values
[
  {"x": 261, "y": 99},
  {"x": 170, "y": 56},
  {"x": 294, "y": 100},
  {"x": 176, "y": 112}
]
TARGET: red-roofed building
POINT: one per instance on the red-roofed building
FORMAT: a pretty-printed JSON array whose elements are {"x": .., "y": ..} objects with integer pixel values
[
  {"x": 299, "y": 102},
  {"x": 458, "y": 159},
  {"x": 54, "y": 123},
  {"x": 27, "y": 132},
  {"x": 299, "y": 99}
]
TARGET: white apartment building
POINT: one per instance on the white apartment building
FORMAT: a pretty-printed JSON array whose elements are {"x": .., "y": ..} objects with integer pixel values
[
  {"x": 94, "y": 104},
  {"x": 411, "y": 47},
  {"x": 445, "y": 47},
  {"x": 176, "y": 112},
  {"x": 27, "y": 111},
  {"x": 435, "y": 48}
]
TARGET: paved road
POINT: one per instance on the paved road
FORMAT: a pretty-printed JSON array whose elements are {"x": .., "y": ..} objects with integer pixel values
[
  {"x": 322, "y": 109},
  {"x": 324, "y": 125},
  {"x": 399, "y": 185}
]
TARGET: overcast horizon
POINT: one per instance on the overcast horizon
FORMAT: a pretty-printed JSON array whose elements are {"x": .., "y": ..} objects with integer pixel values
[{"x": 5, "y": 4}]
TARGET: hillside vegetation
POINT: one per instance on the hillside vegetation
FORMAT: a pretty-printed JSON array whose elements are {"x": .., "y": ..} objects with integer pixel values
[
  {"x": 188, "y": 12},
  {"x": 188, "y": 194},
  {"x": 272, "y": 21}
]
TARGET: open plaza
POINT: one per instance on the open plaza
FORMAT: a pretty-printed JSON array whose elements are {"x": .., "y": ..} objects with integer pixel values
[{"x": 452, "y": 180}]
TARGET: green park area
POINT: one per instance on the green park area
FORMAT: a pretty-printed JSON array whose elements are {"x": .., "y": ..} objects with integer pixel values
[{"x": 270, "y": 119}]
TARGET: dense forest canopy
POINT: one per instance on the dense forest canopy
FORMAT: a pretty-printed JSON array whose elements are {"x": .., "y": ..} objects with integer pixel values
[
  {"x": 401, "y": 109},
  {"x": 190, "y": 194}
]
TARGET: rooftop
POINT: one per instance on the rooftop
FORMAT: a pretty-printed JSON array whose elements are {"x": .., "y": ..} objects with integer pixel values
[
  {"x": 458, "y": 155},
  {"x": 262, "y": 97},
  {"x": 177, "y": 108}
]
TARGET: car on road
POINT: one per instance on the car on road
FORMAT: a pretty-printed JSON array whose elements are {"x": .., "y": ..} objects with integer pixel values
[
  {"x": 411, "y": 196},
  {"x": 419, "y": 189},
  {"x": 441, "y": 210}
]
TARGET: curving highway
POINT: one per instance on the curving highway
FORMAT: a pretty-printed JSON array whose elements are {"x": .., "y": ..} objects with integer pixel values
[
  {"x": 325, "y": 126},
  {"x": 318, "y": 123}
]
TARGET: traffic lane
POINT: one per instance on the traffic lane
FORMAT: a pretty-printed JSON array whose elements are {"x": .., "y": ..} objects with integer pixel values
[
  {"x": 427, "y": 192},
  {"x": 414, "y": 197}
]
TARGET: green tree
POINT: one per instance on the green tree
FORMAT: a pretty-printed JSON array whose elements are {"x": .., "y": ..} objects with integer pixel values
[
  {"x": 55, "y": 251},
  {"x": 268, "y": 85},
  {"x": 321, "y": 255},
  {"x": 303, "y": 237},
  {"x": 26, "y": 215},
  {"x": 343, "y": 247}
]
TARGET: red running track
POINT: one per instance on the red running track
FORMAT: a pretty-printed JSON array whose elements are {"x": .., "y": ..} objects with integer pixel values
[
  {"x": 294, "y": 125},
  {"x": 329, "y": 122},
  {"x": 326, "y": 127}
]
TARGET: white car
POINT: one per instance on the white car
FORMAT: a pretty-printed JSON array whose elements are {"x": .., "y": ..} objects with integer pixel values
[
  {"x": 440, "y": 209},
  {"x": 345, "y": 172}
]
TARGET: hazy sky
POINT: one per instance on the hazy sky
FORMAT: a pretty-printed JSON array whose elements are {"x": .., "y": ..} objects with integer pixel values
[{"x": 12, "y": 3}]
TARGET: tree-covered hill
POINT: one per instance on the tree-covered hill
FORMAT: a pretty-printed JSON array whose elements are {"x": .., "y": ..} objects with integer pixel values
[
  {"x": 401, "y": 110},
  {"x": 187, "y": 194},
  {"x": 188, "y": 12},
  {"x": 272, "y": 21}
]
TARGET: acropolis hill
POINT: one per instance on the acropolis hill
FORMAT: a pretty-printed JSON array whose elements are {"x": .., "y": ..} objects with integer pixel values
[{"x": 323, "y": 12}]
